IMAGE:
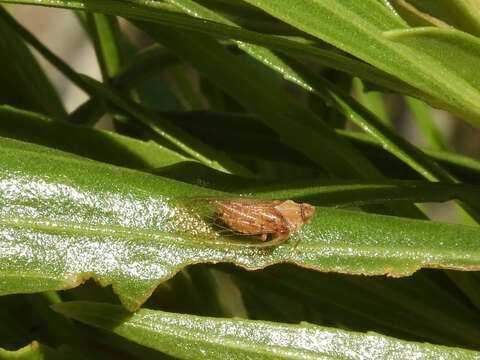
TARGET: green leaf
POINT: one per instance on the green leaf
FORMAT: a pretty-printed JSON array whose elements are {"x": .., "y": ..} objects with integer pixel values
[
  {"x": 414, "y": 16},
  {"x": 22, "y": 77},
  {"x": 429, "y": 7},
  {"x": 456, "y": 51},
  {"x": 107, "y": 39},
  {"x": 37, "y": 351},
  {"x": 64, "y": 219},
  {"x": 307, "y": 133},
  {"x": 372, "y": 100},
  {"x": 142, "y": 68},
  {"x": 331, "y": 94},
  {"x": 109, "y": 147},
  {"x": 464, "y": 13},
  {"x": 463, "y": 167},
  {"x": 249, "y": 17},
  {"x": 434, "y": 139},
  {"x": 145, "y": 63},
  {"x": 380, "y": 304},
  {"x": 345, "y": 194},
  {"x": 28, "y": 317},
  {"x": 168, "y": 131},
  {"x": 260, "y": 142},
  {"x": 336, "y": 193},
  {"x": 194, "y": 337},
  {"x": 389, "y": 139},
  {"x": 33, "y": 351},
  {"x": 358, "y": 27},
  {"x": 160, "y": 13},
  {"x": 163, "y": 129}
]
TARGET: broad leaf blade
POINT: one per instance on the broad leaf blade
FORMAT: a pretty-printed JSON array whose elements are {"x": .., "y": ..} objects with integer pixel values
[
  {"x": 64, "y": 219},
  {"x": 194, "y": 337}
]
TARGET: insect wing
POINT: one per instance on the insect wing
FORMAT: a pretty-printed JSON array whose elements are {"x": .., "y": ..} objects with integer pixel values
[{"x": 252, "y": 218}]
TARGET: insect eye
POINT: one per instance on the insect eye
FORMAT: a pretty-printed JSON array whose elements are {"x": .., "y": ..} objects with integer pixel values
[{"x": 307, "y": 211}]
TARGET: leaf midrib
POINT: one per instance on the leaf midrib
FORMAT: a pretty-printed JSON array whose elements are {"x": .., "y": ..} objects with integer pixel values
[{"x": 163, "y": 236}]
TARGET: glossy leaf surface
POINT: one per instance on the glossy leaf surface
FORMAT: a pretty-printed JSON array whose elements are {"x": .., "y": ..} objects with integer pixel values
[
  {"x": 194, "y": 337},
  {"x": 65, "y": 219}
]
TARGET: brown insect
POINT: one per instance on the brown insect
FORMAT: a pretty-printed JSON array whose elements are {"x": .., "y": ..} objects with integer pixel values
[{"x": 263, "y": 218}]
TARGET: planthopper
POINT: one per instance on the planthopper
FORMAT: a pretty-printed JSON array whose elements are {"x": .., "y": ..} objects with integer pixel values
[{"x": 270, "y": 221}]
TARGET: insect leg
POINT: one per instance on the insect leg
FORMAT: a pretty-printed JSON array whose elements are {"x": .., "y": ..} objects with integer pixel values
[{"x": 298, "y": 241}]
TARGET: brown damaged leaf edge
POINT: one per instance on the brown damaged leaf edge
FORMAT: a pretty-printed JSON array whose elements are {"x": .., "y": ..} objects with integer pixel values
[
  {"x": 273, "y": 220},
  {"x": 387, "y": 273},
  {"x": 78, "y": 280},
  {"x": 134, "y": 230},
  {"x": 255, "y": 218},
  {"x": 330, "y": 231}
]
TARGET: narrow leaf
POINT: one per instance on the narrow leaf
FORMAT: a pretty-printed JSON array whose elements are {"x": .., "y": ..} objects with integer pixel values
[
  {"x": 109, "y": 147},
  {"x": 355, "y": 27},
  {"x": 156, "y": 13},
  {"x": 414, "y": 16},
  {"x": 464, "y": 13},
  {"x": 164, "y": 129},
  {"x": 431, "y": 133},
  {"x": 107, "y": 40},
  {"x": 194, "y": 337},
  {"x": 38, "y": 351},
  {"x": 336, "y": 193},
  {"x": 457, "y": 51},
  {"x": 23, "y": 78},
  {"x": 295, "y": 124},
  {"x": 385, "y": 305}
]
